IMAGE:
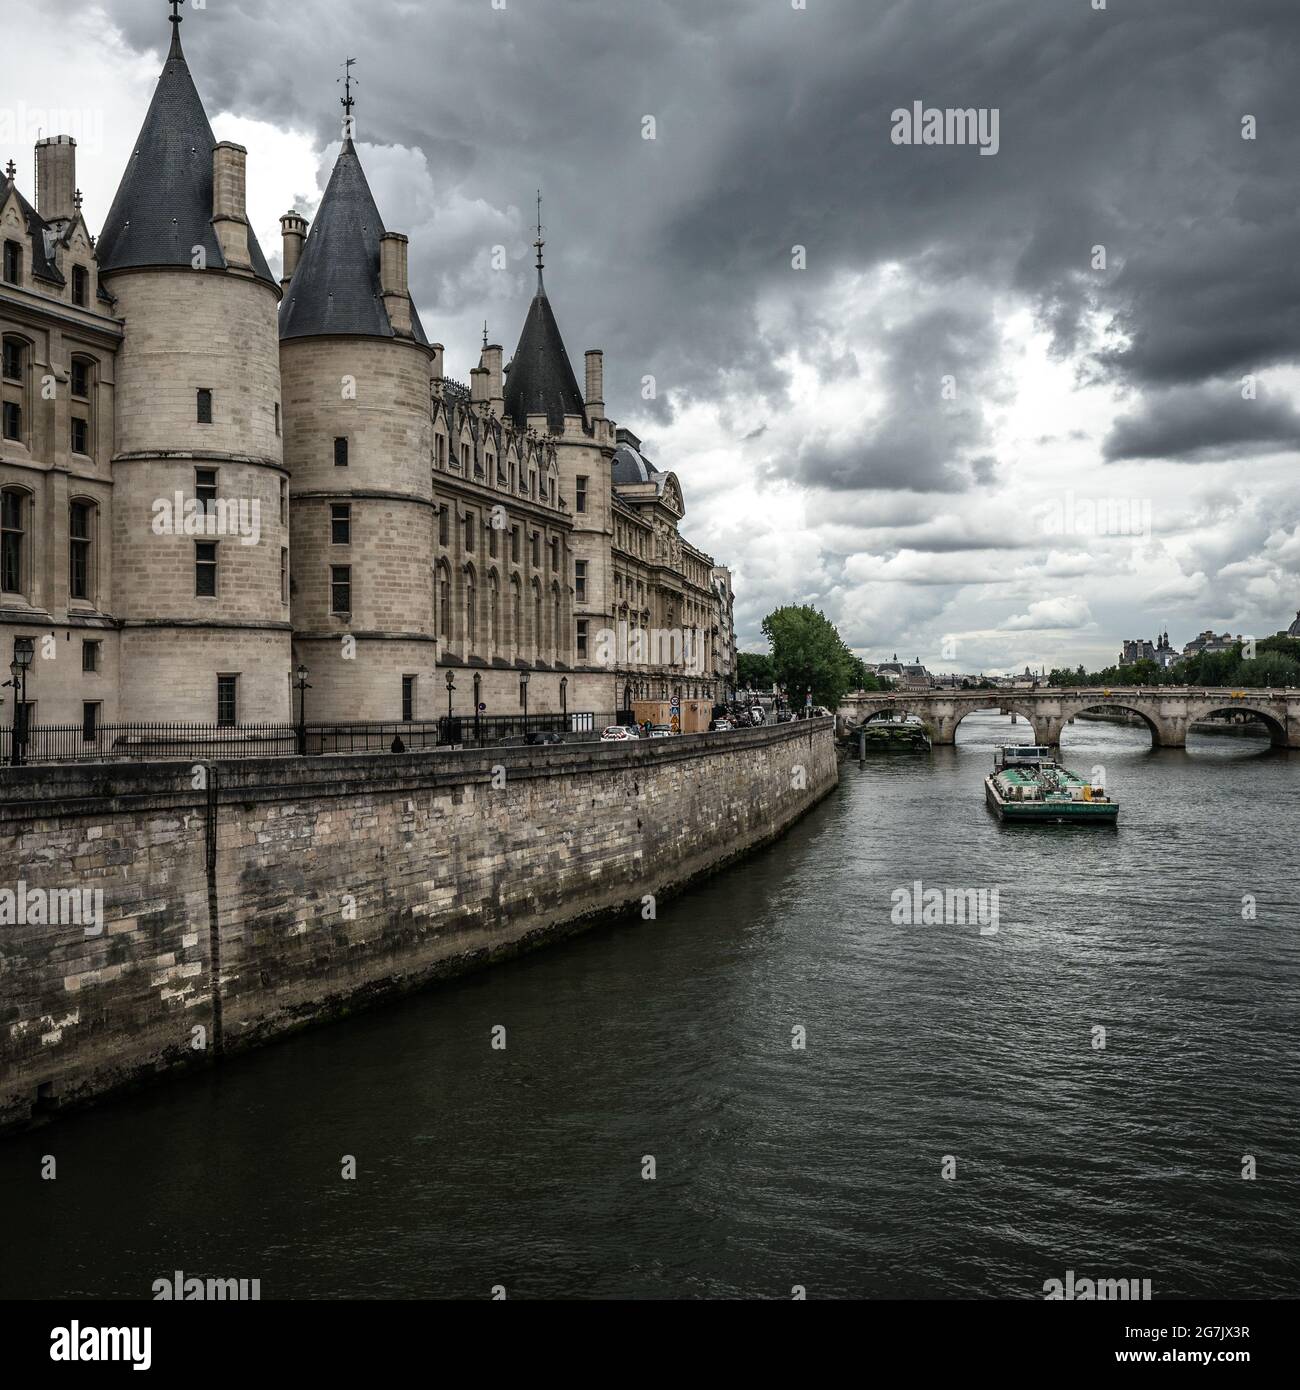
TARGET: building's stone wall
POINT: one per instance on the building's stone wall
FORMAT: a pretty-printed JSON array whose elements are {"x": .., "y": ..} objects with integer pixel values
[{"x": 335, "y": 881}]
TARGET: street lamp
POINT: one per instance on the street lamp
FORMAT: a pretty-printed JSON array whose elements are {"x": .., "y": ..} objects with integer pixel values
[
  {"x": 451, "y": 685},
  {"x": 478, "y": 685},
  {"x": 564, "y": 700},
  {"x": 523, "y": 695},
  {"x": 303, "y": 688},
  {"x": 24, "y": 650}
]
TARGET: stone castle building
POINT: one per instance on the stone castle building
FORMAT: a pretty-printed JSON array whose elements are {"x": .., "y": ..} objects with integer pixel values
[{"x": 209, "y": 479}]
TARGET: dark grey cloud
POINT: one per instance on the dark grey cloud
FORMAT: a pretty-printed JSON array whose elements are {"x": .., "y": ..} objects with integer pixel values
[
  {"x": 1200, "y": 424},
  {"x": 1118, "y": 127}
]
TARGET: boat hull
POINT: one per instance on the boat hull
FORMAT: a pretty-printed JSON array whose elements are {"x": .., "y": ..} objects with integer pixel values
[{"x": 1051, "y": 813}]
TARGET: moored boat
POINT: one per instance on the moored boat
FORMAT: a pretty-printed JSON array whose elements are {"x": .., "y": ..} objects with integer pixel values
[{"x": 1029, "y": 784}]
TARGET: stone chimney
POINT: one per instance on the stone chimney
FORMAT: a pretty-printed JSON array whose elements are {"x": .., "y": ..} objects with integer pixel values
[
  {"x": 293, "y": 232},
  {"x": 393, "y": 283},
  {"x": 595, "y": 384},
  {"x": 229, "y": 214},
  {"x": 435, "y": 367},
  {"x": 478, "y": 384},
  {"x": 496, "y": 391},
  {"x": 56, "y": 178}
]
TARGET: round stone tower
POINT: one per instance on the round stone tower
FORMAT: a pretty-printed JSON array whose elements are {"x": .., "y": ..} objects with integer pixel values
[
  {"x": 200, "y": 507},
  {"x": 356, "y": 369}
]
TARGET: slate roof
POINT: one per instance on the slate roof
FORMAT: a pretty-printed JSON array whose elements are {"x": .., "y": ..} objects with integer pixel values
[
  {"x": 540, "y": 380},
  {"x": 42, "y": 238},
  {"x": 336, "y": 287},
  {"x": 163, "y": 207},
  {"x": 630, "y": 467}
]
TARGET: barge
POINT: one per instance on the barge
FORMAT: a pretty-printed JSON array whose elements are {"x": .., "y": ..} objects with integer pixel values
[{"x": 1028, "y": 784}]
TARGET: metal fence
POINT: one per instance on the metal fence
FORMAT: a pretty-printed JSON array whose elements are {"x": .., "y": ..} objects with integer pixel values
[{"x": 77, "y": 743}]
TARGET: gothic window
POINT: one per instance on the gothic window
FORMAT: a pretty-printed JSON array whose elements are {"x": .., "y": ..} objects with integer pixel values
[{"x": 80, "y": 286}]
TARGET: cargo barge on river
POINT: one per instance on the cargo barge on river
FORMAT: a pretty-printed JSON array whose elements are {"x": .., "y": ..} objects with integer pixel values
[{"x": 1028, "y": 784}]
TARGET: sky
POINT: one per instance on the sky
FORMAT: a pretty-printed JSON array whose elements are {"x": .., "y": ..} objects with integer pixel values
[{"x": 987, "y": 407}]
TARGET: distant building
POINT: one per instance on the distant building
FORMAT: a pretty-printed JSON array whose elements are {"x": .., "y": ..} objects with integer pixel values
[
  {"x": 1208, "y": 642},
  {"x": 1161, "y": 651},
  {"x": 1294, "y": 629}
]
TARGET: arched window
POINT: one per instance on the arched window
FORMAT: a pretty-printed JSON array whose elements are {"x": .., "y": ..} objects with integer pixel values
[
  {"x": 556, "y": 629},
  {"x": 471, "y": 612},
  {"x": 537, "y": 618},
  {"x": 15, "y": 507},
  {"x": 82, "y": 517},
  {"x": 444, "y": 603},
  {"x": 516, "y": 615},
  {"x": 494, "y": 617}
]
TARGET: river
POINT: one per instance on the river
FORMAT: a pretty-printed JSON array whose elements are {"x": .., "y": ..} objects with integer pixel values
[{"x": 775, "y": 1167}]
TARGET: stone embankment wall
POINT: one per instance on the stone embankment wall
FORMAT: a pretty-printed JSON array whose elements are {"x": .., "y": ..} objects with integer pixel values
[{"x": 246, "y": 898}]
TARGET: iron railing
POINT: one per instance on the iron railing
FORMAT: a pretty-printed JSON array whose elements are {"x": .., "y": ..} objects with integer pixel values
[{"x": 77, "y": 743}]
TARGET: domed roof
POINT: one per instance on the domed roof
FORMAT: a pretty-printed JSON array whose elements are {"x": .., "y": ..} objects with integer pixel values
[{"x": 630, "y": 467}]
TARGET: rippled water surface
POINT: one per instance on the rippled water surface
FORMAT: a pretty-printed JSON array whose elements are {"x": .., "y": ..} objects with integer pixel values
[{"x": 776, "y": 1167}]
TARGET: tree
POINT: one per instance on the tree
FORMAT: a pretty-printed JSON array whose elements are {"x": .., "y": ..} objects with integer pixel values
[
  {"x": 808, "y": 653},
  {"x": 859, "y": 677},
  {"x": 755, "y": 671}
]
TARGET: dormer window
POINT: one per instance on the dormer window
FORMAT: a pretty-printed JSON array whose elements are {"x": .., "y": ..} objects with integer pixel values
[
  {"x": 13, "y": 263},
  {"x": 80, "y": 286}
]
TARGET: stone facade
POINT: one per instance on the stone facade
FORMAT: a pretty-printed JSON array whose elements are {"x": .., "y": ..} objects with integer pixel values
[
  {"x": 462, "y": 533},
  {"x": 286, "y": 891}
]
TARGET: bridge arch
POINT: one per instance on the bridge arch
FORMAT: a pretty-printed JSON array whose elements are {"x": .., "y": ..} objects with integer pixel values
[
  {"x": 1273, "y": 725},
  {"x": 1069, "y": 711}
]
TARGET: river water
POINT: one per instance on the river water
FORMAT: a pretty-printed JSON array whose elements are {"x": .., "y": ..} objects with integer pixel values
[{"x": 775, "y": 1166}]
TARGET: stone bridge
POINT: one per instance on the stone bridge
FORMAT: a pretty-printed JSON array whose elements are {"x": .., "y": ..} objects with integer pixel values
[{"x": 1168, "y": 711}]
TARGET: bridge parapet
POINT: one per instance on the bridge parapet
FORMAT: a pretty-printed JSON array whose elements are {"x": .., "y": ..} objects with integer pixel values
[{"x": 1168, "y": 711}]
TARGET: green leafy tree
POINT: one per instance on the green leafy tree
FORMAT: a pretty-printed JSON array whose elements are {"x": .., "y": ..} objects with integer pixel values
[
  {"x": 755, "y": 670},
  {"x": 808, "y": 653},
  {"x": 859, "y": 677}
]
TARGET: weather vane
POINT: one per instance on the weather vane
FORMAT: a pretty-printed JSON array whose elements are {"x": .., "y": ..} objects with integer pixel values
[
  {"x": 347, "y": 100},
  {"x": 176, "y": 18},
  {"x": 539, "y": 243}
]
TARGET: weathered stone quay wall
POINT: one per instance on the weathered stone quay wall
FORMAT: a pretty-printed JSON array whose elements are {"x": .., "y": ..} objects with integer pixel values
[{"x": 289, "y": 891}]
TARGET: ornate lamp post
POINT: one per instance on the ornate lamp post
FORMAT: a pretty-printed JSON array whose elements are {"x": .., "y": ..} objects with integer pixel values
[
  {"x": 478, "y": 685},
  {"x": 564, "y": 700},
  {"x": 451, "y": 685},
  {"x": 523, "y": 695},
  {"x": 300, "y": 683},
  {"x": 24, "y": 650}
]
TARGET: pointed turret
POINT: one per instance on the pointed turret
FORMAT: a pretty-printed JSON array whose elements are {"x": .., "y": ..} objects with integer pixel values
[
  {"x": 338, "y": 284},
  {"x": 164, "y": 205},
  {"x": 540, "y": 380}
]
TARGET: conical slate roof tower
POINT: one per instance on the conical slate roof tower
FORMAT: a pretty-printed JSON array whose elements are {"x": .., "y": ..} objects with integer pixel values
[
  {"x": 163, "y": 208},
  {"x": 540, "y": 380},
  {"x": 336, "y": 286}
]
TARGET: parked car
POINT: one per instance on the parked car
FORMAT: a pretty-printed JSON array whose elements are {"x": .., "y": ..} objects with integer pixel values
[
  {"x": 546, "y": 736},
  {"x": 721, "y": 726},
  {"x": 618, "y": 733},
  {"x": 660, "y": 731}
]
